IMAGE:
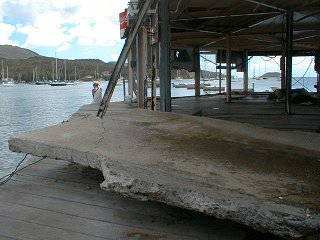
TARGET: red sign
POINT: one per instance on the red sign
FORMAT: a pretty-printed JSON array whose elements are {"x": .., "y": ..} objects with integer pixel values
[{"x": 123, "y": 19}]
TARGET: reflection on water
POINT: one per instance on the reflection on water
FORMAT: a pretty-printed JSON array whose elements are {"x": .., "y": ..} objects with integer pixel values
[{"x": 27, "y": 107}]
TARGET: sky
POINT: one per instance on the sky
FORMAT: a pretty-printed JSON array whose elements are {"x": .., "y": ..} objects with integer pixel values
[
  {"x": 71, "y": 29},
  {"x": 89, "y": 29}
]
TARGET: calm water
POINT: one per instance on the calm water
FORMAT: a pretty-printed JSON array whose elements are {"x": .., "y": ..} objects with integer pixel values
[{"x": 27, "y": 107}]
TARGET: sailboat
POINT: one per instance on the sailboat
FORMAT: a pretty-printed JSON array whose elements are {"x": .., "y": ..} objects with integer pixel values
[
  {"x": 7, "y": 82},
  {"x": 60, "y": 83}
]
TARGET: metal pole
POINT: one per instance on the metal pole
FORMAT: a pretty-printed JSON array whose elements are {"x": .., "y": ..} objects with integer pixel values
[
  {"x": 289, "y": 41},
  {"x": 165, "y": 75}
]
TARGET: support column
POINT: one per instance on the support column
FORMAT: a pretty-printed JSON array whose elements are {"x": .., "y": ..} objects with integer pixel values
[
  {"x": 130, "y": 75},
  {"x": 220, "y": 72},
  {"x": 245, "y": 73},
  {"x": 228, "y": 68},
  {"x": 317, "y": 69},
  {"x": 289, "y": 42},
  {"x": 197, "y": 72},
  {"x": 165, "y": 76},
  {"x": 283, "y": 66},
  {"x": 142, "y": 41}
]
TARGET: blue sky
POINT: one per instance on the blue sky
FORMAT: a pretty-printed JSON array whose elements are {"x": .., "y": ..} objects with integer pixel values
[{"x": 72, "y": 29}]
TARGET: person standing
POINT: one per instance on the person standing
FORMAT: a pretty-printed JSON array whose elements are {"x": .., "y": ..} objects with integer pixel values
[{"x": 96, "y": 93}]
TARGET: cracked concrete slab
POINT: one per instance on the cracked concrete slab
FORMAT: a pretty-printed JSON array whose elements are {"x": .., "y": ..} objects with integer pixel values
[{"x": 265, "y": 179}]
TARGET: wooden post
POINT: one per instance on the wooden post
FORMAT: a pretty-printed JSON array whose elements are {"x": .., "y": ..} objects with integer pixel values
[
  {"x": 245, "y": 73},
  {"x": 130, "y": 75},
  {"x": 165, "y": 76},
  {"x": 283, "y": 66},
  {"x": 289, "y": 41},
  {"x": 142, "y": 42},
  {"x": 228, "y": 69},
  {"x": 220, "y": 72},
  {"x": 197, "y": 72}
]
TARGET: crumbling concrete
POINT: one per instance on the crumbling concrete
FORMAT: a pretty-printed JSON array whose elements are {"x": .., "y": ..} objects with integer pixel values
[{"x": 265, "y": 179}]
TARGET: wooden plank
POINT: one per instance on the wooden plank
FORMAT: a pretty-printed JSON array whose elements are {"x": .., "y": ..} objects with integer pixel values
[
  {"x": 26, "y": 230},
  {"x": 51, "y": 200},
  {"x": 76, "y": 224}
]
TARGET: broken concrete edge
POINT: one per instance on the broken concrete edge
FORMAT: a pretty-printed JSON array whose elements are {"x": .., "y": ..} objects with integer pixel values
[{"x": 126, "y": 181}]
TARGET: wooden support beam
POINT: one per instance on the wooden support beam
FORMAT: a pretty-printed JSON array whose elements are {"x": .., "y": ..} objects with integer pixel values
[
  {"x": 197, "y": 72},
  {"x": 142, "y": 41},
  {"x": 283, "y": 66},
  {"x": 289, "y": 43},
  {"x": 165, "y": 75},
  {"x": 130, "y": 74},
  {"x": 228, "y": 73},
  {"x": 245, "y": 74}
]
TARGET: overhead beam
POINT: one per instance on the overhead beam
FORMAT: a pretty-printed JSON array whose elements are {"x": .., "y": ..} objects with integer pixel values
[
  {"x": 203, "y": 15},
  {"x": 266, "y": 5}
]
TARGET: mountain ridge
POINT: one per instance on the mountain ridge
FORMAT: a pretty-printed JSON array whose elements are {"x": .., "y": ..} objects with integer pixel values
[{"x": 14, "y": 52}]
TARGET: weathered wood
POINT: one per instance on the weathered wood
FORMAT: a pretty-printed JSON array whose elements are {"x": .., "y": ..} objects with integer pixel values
[{"x": 58, "y": 200}]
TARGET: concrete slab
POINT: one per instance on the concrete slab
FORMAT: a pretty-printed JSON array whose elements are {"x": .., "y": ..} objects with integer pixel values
[{"x": 265, "y": 179}]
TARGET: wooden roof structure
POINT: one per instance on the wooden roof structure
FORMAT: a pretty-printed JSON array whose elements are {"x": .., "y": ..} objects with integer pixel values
[{"x": 254, "y": 25}]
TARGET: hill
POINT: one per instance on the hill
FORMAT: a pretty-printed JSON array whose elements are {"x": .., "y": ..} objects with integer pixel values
[
  {"x": 13, "y": 52},
  {"x": 271, "y": 75},
  {"x": 25, "y": 66}
]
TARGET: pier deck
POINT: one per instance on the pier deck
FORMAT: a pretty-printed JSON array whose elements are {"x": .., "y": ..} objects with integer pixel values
[
  {"x": 262, "y": 178},
  {"x": 58, "y": 200}
]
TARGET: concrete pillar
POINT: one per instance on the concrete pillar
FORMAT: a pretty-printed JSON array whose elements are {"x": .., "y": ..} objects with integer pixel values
[
  {"x": 197, "y": 72},
  {"x": 142, "y": 41},
  {"x": 245, "y": 73},
  {"x": 289, "y": 43},
  {"x": 228, "y": 68},
  {"x": 164, "y": 63}
]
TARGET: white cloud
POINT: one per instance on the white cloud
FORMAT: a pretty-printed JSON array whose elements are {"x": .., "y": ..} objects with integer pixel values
[
  {"x": 6, "y": 31},
  {"x": 59, "y": 23}
]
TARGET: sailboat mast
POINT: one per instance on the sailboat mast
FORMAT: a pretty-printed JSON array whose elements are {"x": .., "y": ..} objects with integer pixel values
[
  {"x": 52, "y": 71},
  {"x": 2, "y": 74},
  {"x": 65, "y": 70},
  {"x": 56, "y": 68}
]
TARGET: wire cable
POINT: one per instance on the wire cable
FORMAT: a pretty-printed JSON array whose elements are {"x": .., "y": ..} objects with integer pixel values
[{"x": 16, "y": 170}]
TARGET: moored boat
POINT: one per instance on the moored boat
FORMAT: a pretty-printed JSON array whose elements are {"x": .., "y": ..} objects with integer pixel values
[{"x": 8, "y": 83}]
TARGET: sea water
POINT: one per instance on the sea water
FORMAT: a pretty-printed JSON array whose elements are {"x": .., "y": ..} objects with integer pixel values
[{"x": 27, "y": 107}]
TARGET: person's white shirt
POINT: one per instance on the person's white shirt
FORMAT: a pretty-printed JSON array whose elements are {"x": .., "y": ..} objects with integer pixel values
[{"x": 97, "y": 96}]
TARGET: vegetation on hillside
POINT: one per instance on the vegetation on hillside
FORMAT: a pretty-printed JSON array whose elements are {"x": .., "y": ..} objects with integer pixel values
[{"x": 44, "y": 68}]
